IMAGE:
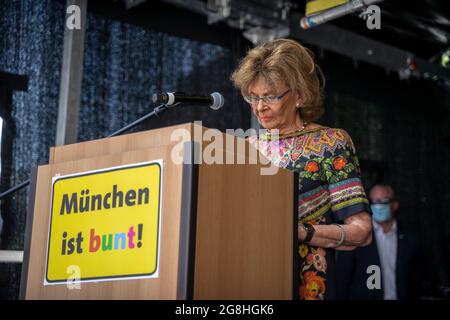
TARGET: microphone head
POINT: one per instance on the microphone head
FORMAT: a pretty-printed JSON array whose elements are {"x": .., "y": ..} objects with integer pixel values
[{"x": 218, "y": 101}]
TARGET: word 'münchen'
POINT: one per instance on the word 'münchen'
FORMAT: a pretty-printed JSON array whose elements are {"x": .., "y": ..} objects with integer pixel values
[{"x": 84, "y": 202}]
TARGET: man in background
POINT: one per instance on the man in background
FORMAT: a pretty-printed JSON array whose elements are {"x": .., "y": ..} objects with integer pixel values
[{"x": 394, "y": 250}]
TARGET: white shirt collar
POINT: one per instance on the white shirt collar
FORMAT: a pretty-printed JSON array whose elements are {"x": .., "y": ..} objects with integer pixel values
[{"x": 378, "y": 227}]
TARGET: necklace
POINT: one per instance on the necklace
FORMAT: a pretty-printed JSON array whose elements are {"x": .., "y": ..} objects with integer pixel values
[{"x": 305, "y": 124}]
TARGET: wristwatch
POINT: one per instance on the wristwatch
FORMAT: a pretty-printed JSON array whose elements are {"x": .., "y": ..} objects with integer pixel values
[{"x": 309, "y": 232}]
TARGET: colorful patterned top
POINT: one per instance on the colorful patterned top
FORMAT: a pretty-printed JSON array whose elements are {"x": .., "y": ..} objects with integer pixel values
[{"x": 330, "y": 190}]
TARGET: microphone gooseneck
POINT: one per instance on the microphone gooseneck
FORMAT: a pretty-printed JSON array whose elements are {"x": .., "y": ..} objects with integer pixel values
[{"x": 215, "y": 100}]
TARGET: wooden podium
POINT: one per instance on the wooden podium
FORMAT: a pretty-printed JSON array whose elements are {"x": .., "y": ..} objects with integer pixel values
[{"x": 227, "y": 231}]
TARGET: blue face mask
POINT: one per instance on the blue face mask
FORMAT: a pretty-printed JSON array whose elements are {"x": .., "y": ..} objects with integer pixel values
[{"x": 381, "y": 212}]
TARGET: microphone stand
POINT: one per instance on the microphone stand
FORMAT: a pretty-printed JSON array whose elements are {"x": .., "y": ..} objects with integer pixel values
[{"x": 155, "y": 112}]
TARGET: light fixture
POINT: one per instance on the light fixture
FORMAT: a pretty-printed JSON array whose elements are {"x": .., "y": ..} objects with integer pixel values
[{"x": 310, "y": 21}]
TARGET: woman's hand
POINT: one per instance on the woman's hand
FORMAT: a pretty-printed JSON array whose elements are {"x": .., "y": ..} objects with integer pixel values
[{"x": 357, "y": 233}]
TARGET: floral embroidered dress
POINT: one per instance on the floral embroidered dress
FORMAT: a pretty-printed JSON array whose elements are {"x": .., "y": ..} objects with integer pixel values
[{"x": 330, "y": 190}]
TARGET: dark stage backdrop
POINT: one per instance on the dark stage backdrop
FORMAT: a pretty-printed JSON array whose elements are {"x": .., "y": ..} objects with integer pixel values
[
  {"x": 124, "y": 65},
  {"x": 30, "y": 44},
  {"x": 400, "y": 128}
]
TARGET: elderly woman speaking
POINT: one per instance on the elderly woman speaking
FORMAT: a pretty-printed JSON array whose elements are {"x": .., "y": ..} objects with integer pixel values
[{"x": 280, "y": 81}]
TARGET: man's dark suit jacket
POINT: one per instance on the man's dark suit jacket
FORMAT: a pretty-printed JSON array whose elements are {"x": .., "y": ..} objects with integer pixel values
[{"x": 351, "y": 269}]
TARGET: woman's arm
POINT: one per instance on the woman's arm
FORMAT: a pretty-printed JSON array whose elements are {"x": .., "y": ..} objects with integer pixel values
[{"x": 358, "y": 233}]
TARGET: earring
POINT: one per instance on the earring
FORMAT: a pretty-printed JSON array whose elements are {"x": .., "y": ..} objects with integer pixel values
[{"x": 297, "y": 105}]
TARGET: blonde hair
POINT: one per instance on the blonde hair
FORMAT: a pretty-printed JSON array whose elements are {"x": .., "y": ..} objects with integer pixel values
[{"x": 288, "y": 62}]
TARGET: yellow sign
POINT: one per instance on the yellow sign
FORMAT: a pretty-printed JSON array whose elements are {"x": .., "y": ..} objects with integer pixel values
[{"x": 105, "y": 224}]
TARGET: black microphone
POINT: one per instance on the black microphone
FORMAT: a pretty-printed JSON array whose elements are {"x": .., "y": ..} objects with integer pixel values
[{"x": 214, "y": 100}]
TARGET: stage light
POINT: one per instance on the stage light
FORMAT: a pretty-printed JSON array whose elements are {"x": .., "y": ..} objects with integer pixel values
[{"x": 445, "y": 59}]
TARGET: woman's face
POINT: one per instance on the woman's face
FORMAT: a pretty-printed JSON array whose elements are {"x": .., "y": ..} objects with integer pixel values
[{"x": 282, "y": 114}]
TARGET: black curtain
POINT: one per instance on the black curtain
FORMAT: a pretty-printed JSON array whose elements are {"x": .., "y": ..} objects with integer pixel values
[
  {"x": 125, "y": 64},
  {"x": 401, "y": 131}
]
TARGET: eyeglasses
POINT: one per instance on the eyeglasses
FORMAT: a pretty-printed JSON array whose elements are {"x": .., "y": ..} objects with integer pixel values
[{"x": 254, "y": 100}]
